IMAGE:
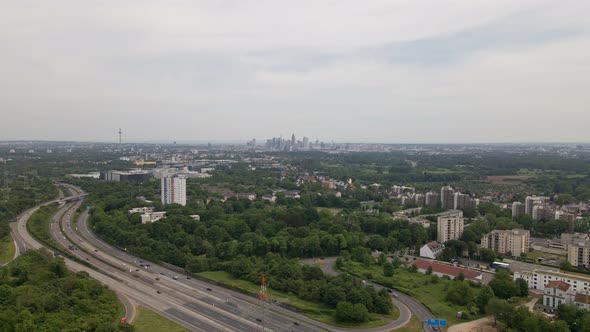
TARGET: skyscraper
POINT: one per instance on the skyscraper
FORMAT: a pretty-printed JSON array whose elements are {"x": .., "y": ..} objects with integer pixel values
[{"x": 174, "y": 190}]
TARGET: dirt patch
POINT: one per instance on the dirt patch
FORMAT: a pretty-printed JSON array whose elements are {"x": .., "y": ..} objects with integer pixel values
[
  {"x": 480, "y": 325},
  {"x": 508, "y": 179}
]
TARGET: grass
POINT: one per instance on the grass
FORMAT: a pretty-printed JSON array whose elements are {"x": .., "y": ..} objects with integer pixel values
[
  {"x": 332, "y": 211},
  {"x": 312, "y": 310},
  {"x": 534, "y": 255},
  {"x": 414, "y": 325},
  {"x": 419, "y": 286},
  {"x": 7, "y": 249},
  {"x": 38, "y": 225},
  {"x": 149, "y": 321}
]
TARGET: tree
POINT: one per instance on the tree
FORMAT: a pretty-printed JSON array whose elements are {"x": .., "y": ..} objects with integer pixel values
[
  {"x": 482, "y": 299},
  {"x": 503, "y": 286},
  {"x": 500, "y": 309},
  {"x": 460, "y": 293},
  {"x": 388, "y": 269},
  {"x": 487, "y": 255},
  {"x": 523, "y": 287},
  {"x": 348, "y": 312},
  {"x": 413, "y": 268},
  {"x": 460, "y": 277},
  {"x": 429, "y": 271}
]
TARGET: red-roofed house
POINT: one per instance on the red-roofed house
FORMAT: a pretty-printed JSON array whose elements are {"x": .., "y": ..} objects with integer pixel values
[{"x": 441, "y": 269}]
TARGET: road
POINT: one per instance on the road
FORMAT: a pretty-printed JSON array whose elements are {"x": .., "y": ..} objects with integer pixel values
[
  {"x": 403, "y": 301},
  {"x": 194, "y": 304}
]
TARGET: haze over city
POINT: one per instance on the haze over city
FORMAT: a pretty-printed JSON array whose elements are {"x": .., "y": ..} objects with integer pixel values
[{"x": 379, "y": 71}]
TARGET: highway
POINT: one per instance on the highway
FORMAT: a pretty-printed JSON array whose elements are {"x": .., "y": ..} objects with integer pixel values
[{"x": 194, "y": 304}]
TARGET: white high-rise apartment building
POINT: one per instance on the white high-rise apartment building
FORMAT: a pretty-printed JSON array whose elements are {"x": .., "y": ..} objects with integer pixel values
[
  {"x": 174, "y": 190},
  {"x": 449, "y": 227}
]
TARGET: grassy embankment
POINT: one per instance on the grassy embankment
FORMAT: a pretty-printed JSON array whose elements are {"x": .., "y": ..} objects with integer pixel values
[
  {"x": 312, "y": 310},
  {"x": 7, "y": 249},
  {"x": 38, "y": 225},
  {"x": 149, "y": 321},
  {"x": 418, "y": 285}
]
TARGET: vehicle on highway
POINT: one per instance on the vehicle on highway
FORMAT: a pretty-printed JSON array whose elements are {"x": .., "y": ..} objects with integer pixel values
[{"x": 175, "y": 277}]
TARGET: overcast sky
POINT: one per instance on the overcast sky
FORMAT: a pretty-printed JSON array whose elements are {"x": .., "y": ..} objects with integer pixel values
[{"x": 343, "y": 70}]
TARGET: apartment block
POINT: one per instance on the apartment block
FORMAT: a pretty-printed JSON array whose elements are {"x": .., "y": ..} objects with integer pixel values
[{"x": 513, "y": 242}]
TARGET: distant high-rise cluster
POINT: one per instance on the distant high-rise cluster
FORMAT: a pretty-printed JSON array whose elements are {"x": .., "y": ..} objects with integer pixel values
[{"x": 279, "y": 143}]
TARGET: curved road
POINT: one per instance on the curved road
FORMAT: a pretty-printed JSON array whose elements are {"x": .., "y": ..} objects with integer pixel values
[
  {"x": 195, "y": 304},
  {"x": 407, "y": 301}
]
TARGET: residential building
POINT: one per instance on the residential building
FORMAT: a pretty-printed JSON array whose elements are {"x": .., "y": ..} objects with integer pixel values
[
  {"x": 518, "y": 208},
  {"x": 513, "y": 242},
  {"x": 557, "y": 292},
  {"x": 539, "y": 278},
  {"x": 142, "y": 210},
  {"x": 173, "y": 190},
  {"x": 464, "y": 201},
  {"x": 152, "y": 217},
  {"x": 578, "y": 253},
  {"x": 446, "y": 197},
  {"x": 531, "y": 201},
  {"x": 432, "y": 199},
  {"x": 449, "y": 227},
  {"x": 543, "y": 212},
  {"x": 431, "y": 250}
]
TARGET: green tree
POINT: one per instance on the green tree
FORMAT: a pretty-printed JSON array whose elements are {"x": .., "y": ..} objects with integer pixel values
[
  {"x": 482, "y": 299},
  {"x": 388, "y": 269},
  {"x": 503, "y": 285},
  {"x": 460, "y": 293}
]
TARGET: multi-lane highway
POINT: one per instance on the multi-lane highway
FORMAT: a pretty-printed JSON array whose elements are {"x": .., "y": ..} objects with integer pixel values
[{"x": 195, "y": 304}]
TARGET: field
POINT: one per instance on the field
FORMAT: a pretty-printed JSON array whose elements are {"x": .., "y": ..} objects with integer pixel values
[
  {"x": 419, "y": 286},
  {"x": 148, "y": 321},
  {"x": 508, "y": 179},
  {"x": 313, "y": 310},
  {"x": 7, "y": 249}
]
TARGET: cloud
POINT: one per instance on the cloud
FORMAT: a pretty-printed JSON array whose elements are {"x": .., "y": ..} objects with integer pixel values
[{"x": 381, "y": 71}]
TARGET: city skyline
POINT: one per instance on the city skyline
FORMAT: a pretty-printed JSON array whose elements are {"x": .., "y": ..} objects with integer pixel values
[{"x": 386, "y": 71}]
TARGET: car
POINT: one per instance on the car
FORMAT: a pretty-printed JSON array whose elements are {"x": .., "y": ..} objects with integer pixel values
[
  {"x": 136, "y": 269},
  {"x": 188, "y": 277},
  {"x": 434, "y": 328},
  {"x": 389, "y": 291},
  {"x": 158, "y": 292},
  {"x": 162, "y": 273},
  {"x": 95, "y": 250},
  {"x": 209, "y": 289},
  {"x": 157, "y": 278},
  {"x": 175, "y": 277}
]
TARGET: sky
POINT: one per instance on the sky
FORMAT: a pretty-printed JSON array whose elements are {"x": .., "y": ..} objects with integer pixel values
[{"x": 345, "y": 70}]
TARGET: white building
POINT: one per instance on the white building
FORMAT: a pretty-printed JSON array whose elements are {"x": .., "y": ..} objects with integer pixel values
[
  {"x": 174, "y": 190},
  {"x": 449, "y": 227},
  {"x": 540, "y": 279},
  {"x": 152, "y": 217},
  {"x": 431, "y": 250},
  {"x": 142, "y": 210}
]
